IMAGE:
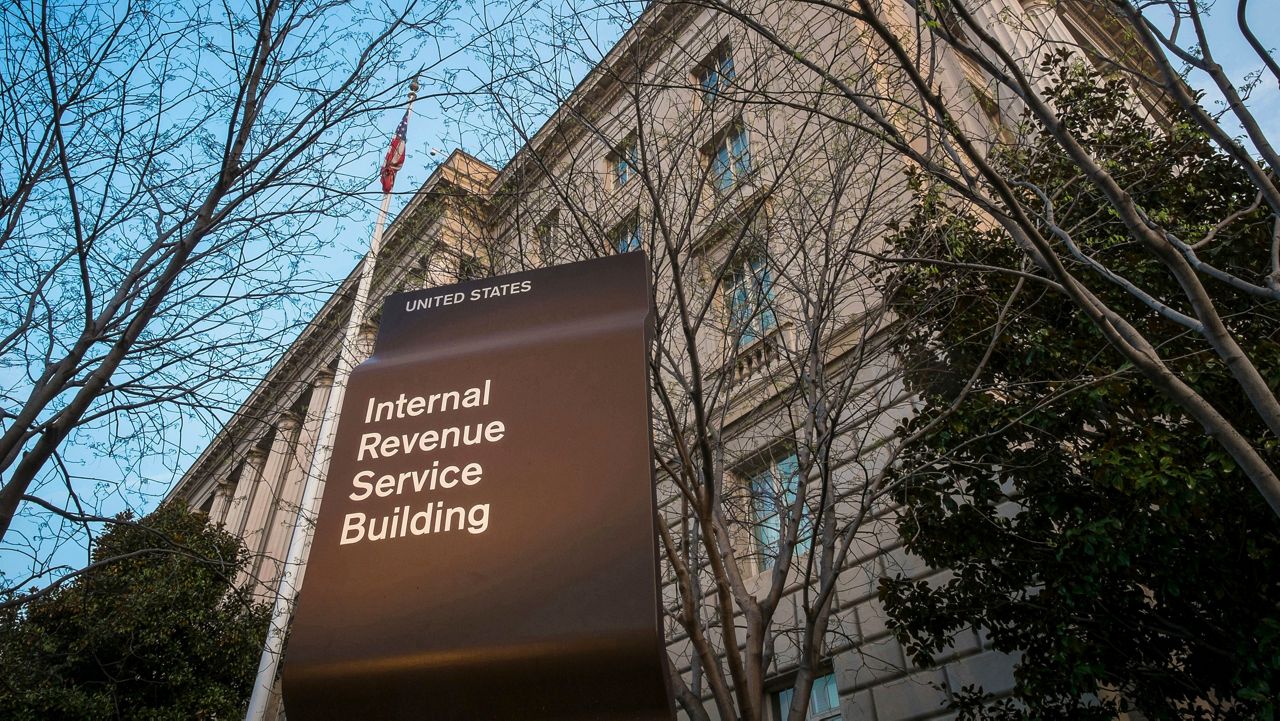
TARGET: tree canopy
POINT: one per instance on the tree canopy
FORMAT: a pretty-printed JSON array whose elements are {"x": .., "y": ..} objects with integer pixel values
[
  {"x": 1090, "y": 524},
  {"x": 152, "y": 629}
]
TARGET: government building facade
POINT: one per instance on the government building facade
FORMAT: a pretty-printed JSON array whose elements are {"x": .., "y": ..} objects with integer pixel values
[{"x": 762, "y": 201}]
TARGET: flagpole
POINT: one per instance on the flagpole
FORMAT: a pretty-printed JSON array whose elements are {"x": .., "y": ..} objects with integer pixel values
[{"x": 309, "y": 505}]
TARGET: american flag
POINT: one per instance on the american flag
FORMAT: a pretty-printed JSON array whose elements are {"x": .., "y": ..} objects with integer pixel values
[{"x": 395, "y": 154}]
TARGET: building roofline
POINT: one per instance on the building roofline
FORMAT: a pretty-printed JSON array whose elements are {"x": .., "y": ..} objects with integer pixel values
[{"x": 594, "y": 82}]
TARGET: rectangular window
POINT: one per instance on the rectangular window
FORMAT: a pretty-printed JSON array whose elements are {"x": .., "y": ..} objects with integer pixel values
[
  {"x": 824, "y": 701},
  {"x": 470, "y": 267},
  {"x": 749, "y": 299},
  {"x": 623, "y": 161},
  {"x": 716, "y": 74},
  {"x": 626, "y": 236},
  {"x": 773, "y": 491},
  {"x": 544, "y": 235},
  {"x": 730, "y": 158}
]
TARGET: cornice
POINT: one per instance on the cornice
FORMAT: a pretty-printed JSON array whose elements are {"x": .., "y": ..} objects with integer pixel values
[{"x": 319, "y": 342}]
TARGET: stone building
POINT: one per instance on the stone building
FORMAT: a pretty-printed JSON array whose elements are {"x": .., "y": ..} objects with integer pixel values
[{"x": 760, "y": 201}]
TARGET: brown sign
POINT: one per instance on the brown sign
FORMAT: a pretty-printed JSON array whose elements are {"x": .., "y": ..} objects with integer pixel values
[{"x": 486, "y": 546}]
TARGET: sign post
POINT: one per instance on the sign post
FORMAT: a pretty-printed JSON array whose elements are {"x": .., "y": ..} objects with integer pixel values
[{"x": 486, "y": 547}]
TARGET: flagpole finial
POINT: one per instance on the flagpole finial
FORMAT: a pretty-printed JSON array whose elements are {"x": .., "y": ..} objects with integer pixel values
[{"x": 413, "y": 88}]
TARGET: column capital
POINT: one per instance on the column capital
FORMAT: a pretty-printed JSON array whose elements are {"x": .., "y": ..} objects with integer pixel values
[
  {"x": 365, "y": 340},
  {"x": 323, "y": 378},
  {"x": 287, "y": 421}
]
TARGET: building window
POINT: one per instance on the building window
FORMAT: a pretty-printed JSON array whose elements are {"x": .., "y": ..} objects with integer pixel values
[
  {"x": 470, "y": 267},
  {"x": 824, "y": 701},
  {"x": 623, "y": 161},
  {"x": 715, "y": 74},
  {"x": 419, "y": 272},
  {"x": 729, "y": 158},
  {"x": 544, "y": 235},
  {"x": 625, "y": 236},
  {"x": 773, "y": 491},
  {"x": 749, "y": 299}
]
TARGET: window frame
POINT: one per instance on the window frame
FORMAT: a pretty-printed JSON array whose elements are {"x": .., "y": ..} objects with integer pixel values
[
  {"x": 629, "y": 230},
  {"x": 471, "y": 267},
  {"x": 782, "y": 700},
  {"x": 769, "y": 504},
  {"x": 748, "y": 298},
  {"x": 715, "y": 74},
  {"x": 728, "y": 157},
  {"x": 624, "y": 162},
  {"x": 544, "y": 234}
]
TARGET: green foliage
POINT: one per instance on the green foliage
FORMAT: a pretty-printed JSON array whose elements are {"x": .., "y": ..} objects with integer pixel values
[
  {"x": 160, "y": 633},
  {"x": 1092, "y": 527}
]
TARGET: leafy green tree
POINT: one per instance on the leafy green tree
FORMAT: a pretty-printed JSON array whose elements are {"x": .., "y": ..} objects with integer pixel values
[
  {"x": 1091, "y": 525},
  {"x": 153, "y": 629}
]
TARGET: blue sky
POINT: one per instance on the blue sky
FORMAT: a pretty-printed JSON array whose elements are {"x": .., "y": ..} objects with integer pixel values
[{"x": 1240, "y": 62}]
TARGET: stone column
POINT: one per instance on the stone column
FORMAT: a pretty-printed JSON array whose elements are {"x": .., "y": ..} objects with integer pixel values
[
  {"x": 364, "y": 344},
  {"x": 267, "y": 492},
  {"x": 246, "y": 481},
  {"x": 1020, "y": 30},
  {"x": 1048, "y": 32},
  {"x": 1000, "y": 18},
  {"x": 280, "y": 527},
  {"x": 1044, "y": 17},
  {"x": 222, "y": 495}
]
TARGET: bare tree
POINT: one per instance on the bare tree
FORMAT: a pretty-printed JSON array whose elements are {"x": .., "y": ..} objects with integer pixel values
[
  {"x": 773, "y": 389},
  {"x": 775, "y": 394},
  {"x": 167, "y": 173}
]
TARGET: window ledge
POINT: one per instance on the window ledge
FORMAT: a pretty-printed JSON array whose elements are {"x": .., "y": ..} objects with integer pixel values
[
  {"x": 733, "y": 201},
  {"x": 754, "y": 359},
  {"x": 717, "y": 221}
]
